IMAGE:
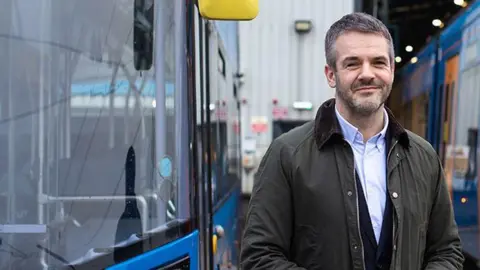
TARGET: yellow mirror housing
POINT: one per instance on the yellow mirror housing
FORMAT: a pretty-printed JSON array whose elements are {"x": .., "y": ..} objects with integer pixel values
[{"x": 232, "y": 10}]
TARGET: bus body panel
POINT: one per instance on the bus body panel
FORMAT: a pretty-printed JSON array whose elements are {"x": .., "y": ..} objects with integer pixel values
[
  {"x": 226, "y": 216},
  {"x": 175, "y": 255}
]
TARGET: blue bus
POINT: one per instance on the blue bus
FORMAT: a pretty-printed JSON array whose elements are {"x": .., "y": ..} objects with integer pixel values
[
  {"x": 441, "y": 102},
  {"x": 119, "y": 135}
]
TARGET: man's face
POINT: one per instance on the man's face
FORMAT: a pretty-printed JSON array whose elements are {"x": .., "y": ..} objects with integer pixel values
[{"x": 364, "y": 73}]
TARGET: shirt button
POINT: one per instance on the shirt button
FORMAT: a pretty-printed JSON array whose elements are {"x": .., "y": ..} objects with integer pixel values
[
  {"x": 395, "y": 195},
  {"x": 349, "y": 193},
  {"x": 355, "y": 247}
]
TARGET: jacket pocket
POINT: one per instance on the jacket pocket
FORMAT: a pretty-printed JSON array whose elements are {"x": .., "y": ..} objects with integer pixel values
[{"x": 307, "y": 246}]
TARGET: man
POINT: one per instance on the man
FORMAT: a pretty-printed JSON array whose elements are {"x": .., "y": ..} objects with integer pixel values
[{"x": 352, "y": 189}]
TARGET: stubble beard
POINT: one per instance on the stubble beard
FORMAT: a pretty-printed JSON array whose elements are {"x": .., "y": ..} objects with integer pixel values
[{"x": 366, "y": 105}]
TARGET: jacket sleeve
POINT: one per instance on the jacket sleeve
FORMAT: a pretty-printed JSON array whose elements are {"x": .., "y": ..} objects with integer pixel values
[
  {"x": 268, "y": 226},
  {"x": 444, "y": 249}
]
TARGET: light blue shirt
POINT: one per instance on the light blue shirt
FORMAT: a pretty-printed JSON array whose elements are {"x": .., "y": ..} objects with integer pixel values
[{"x": 370, "y": 164}]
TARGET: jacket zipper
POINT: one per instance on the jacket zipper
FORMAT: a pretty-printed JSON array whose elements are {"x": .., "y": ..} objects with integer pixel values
[
  {"x": 358, "y": 209},
  {"x": 394, "y": 234}
]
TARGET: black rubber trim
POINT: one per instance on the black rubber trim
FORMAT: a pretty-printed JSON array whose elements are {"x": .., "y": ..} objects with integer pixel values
[{"x": 149, "y": 241}]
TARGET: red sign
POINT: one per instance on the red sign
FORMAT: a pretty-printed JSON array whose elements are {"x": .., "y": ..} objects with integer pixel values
[
  {"x": 279, "y": 112},
  {"x": 259, "y": 127}
]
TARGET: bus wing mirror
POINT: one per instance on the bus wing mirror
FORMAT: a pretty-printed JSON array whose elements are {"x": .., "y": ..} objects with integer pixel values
[{"x": 233, "y": 10}]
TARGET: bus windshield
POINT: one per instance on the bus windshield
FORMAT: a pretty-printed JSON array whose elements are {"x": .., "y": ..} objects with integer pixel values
[{"x": 88, "y": 143}]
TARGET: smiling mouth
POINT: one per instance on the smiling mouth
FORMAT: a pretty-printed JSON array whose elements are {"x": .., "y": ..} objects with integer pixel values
[{"x": 365, "y": 89}]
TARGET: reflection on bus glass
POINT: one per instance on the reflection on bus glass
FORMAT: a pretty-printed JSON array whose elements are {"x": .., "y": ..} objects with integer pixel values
[
  {"x": 79, "y": 129},
  {"x": 129, "y": 222}
]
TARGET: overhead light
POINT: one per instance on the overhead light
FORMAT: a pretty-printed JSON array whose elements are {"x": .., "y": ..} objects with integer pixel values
[
  {"x": 413, "y": 60},
  {"x": 303, "y": 26},
  {"x": 461, "y": 3},
  {"x": 302, "y": 105},
  {"x": 398, "y": 59},
  {"x": 409, "y": 48},
  {"x": 438, "y": 23}
]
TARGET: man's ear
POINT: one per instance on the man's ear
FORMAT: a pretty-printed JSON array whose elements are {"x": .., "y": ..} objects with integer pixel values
[{"x": 330, "y": 74}]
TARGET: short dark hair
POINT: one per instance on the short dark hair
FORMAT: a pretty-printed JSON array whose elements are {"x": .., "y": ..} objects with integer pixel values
[{"x": 355, "y": 22}]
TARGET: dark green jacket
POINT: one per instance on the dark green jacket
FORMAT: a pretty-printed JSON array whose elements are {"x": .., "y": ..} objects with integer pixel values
[{"x": 303, "y": 211}]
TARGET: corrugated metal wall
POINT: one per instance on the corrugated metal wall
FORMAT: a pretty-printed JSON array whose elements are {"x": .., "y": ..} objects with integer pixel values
[{"x": 279, "y": 63}]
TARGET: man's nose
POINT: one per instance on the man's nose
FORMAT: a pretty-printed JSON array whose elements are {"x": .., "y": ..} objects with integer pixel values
[{"x": 366, "y": 74}]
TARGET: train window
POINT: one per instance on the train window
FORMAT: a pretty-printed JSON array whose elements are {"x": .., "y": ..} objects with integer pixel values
[
  {"x": 89, "y": 144},
  {"x": 468, "y": 98},
  {"x": 225, "y": 169},
  {"x": 219, "y": 160},
  {"x": 224, "y": 137},
  {"x": 466, "y": 132}
]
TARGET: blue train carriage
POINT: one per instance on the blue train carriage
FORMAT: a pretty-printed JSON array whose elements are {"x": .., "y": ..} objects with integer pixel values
[
  {"x": 104, "y": 120},
  {"x": 453, "y": 112},
  {"x": 416, "y": 83},
  {"x": 459, "y": 85}
]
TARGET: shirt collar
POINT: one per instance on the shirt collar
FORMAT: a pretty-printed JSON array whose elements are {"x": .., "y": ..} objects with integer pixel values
[{"x": 352, "y": 134}]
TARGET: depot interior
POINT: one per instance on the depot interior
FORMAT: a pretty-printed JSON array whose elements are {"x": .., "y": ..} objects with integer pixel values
[{"x": 427, "y": 17}]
